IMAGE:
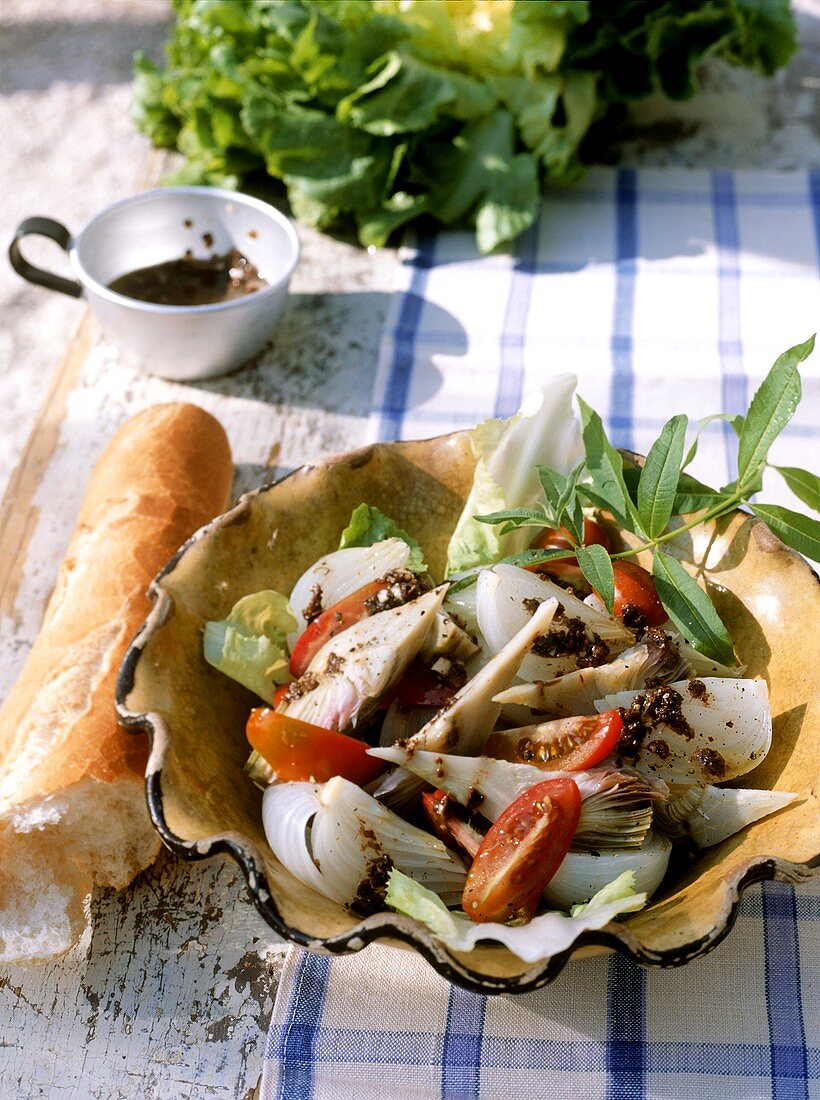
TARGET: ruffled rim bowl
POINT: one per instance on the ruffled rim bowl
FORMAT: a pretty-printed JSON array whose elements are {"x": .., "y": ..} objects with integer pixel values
[{"x": 202, "y": 803}]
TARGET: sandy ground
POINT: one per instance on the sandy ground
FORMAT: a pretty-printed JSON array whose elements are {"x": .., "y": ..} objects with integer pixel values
[{"x": 69, "y": 148}]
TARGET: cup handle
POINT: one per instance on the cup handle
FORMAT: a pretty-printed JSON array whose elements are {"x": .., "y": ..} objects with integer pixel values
[{"x": 55, "y": 231}]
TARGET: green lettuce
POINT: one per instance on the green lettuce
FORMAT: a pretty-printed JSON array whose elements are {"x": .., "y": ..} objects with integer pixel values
[
  {"x": 545, "y": 432},
  {"x": 368, "y": 526},
  {"x": 545, "y": 935},
  {"x": 250, "y": 645},
  {"x": 375, "y": 113}
]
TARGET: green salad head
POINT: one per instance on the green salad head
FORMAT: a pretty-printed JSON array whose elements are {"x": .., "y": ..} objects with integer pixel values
[{"x": 374, "y": 113}]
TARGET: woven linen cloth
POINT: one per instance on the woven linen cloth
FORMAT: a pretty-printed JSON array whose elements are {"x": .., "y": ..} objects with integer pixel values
[{"x": 664, "y": 291}]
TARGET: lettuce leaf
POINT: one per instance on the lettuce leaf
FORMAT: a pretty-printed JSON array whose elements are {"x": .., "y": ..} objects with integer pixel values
[
  {"x": 544, "y": 936},
  {"x": 545, "y": 432},
  {"x": 368, "y": 526},
  {"x": 349, "y": 103},
  {"x": 250, "y": 645}
]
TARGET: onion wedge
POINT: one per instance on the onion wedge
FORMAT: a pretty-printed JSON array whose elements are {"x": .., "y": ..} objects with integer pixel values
[
  {"x": 726, "y": 729},
  {"x": 505, "y": 597},
  {"x": 583, "y": 874},
  {"x": 344, "y": 572},
  {"x": 337, "y": 839}
]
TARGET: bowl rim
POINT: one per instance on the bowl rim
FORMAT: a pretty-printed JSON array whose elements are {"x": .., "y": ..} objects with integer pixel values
[
  {"x": 269, "y": 290},
  {"x": 386, "y": 925}
]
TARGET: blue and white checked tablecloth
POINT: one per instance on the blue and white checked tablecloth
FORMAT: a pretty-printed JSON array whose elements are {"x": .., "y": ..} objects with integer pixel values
[{"x": 664, "y": 291}]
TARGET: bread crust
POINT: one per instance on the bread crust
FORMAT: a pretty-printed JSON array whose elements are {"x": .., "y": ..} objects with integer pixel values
[{"x": 164, "y": 474}]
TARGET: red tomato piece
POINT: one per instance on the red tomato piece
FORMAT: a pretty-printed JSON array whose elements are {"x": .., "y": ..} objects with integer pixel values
[
  {"x": 634, "y": 587},
  {"x": 297, "y": 750},
  {"x": 279, "y": 695},
  {"x": 567, "y": 744},
  {"x": 421, "y": 687},
  {"x": 521, "y": 852},
  {"x": 330, "y": 623},
  {"x": 566, "y": 568},
  {"x": 449, "y": 824}
]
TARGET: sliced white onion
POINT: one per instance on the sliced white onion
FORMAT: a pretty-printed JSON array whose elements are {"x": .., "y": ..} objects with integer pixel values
[
  {"x": 731, "y": 726},
  {"x": 711, "y": 814},
  {"x": 616, "y": 806},
  {"x": 575, "y": 692},
  {"x": 357, "y": 666},
  {"x": 346, "y": 571},
  {"x": 350, "y": 830},
  {"x": 287, "y": 811},
  {"x": 582, "y": 874},
  {"x": 503, "y": 593}
]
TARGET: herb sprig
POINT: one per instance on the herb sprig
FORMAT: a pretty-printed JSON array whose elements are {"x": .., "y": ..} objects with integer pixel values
[{"x": 643, "y": 501}]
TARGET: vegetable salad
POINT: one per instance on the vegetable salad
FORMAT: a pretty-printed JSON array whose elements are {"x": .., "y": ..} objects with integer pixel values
[{"x": 511, "y": 754}]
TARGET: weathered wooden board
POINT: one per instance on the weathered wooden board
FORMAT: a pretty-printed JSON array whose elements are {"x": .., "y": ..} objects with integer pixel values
[
  {"x": 168, "y": 994},
  {"x": 170, "y": 991}
]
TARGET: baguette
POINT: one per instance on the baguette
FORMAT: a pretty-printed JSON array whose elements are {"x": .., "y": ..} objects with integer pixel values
[{"x": 72, "y": 803}]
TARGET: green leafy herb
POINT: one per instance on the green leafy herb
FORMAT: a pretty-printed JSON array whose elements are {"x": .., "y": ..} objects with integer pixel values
[
  {"x": 596, "y": 565},
  {"x": 771, "y": 409},
  {"x": 730, "y": 418},
  {"x": 804, "y": 485},
  {"x": 690, "y": 609},
  {"x": 569, "y": 511},
  {"x": 658, "y": 482},
  {"x": 693, "y": 496},
  {"x": 643, "y": 501},
  {"x": 604, "y": 465},
  {"x": 372, "y": 114},
  {"x": 368, "y": 526},
  {"x": 513, "y": 518}
]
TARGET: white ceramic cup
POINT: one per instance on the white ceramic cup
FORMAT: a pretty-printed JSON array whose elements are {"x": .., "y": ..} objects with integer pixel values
[{"x": 183, "y": 343}]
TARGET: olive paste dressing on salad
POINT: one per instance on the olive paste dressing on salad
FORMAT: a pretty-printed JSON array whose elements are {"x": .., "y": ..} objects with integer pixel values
[{"x": 510, "y": 753}]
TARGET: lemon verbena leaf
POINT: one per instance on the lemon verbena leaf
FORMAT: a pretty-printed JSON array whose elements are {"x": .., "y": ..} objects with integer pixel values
[
  {"x": 691, "y": 610},
  {"x": 596, "y": 565},
  {"x": 659, "y": 477}
]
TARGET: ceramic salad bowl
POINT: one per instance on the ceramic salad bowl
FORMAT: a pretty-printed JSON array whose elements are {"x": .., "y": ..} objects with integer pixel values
[{"x": 202, "y": 803}]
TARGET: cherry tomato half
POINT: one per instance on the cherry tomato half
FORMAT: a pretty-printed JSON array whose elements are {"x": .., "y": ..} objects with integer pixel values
[
  {"x": 330, "y": 623},
  {"x": 297, "y": 750},
  {"x": 634, "y": 587},
  {"x": 566, "y": 569},
  {"x": 521, "y": 852},
  {"x": 567, "y": 744}
]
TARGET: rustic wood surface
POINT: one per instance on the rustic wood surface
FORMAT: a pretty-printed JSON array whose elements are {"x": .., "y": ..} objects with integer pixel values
[{"x": 169, "y": 993}]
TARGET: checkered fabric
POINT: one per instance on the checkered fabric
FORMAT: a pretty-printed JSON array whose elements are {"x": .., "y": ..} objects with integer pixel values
[{"x": 664, "y": 291}]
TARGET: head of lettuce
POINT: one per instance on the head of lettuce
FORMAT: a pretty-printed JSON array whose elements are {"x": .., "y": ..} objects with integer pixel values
[{"x": 376, "y": 113}]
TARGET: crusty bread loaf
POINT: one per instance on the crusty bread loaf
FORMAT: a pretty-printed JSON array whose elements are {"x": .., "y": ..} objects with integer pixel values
[{"x": 72, "y": 804}]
